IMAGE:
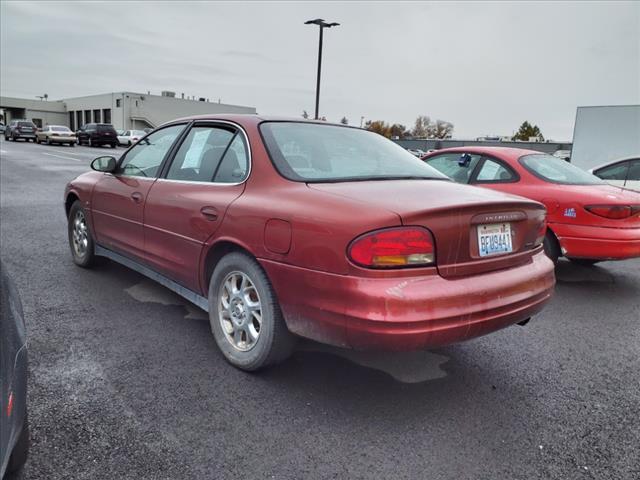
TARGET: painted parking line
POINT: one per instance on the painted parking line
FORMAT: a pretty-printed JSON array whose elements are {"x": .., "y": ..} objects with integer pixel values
[
  {"x": 60, "y": 156},
  {"x": 68, "y": 153}
]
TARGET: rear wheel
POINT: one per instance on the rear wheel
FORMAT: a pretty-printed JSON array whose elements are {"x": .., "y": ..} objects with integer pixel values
[
  {"x": 551, "y": 246},
  {"x": 585, "y": 262},
  {"x": 113, "y": 145},
  {"x": 21, "y": 450},
  {"x": 245, "y": 316},
  {"x": 80, "y": 238}
]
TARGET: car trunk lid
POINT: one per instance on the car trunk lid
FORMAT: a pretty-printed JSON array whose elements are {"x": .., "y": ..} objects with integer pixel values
[{"x": 454, "y": 213}]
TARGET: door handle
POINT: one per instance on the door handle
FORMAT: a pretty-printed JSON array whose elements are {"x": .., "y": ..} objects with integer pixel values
[
  {"x": 137, "y": 197},
  {"x": 211, "y": 213}
]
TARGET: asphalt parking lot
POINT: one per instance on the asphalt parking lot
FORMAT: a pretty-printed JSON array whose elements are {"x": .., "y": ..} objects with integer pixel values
[{"x": 126, "y": 381}]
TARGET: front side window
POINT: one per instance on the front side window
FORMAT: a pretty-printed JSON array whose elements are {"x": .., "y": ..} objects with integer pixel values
[
  {"x": 614, "y": 172},
  {"x": 144, "y": 158},
  {"x": 493, "y": 172},
  {"x": 203, "y": 154},
  {"x": 310, "y": 152},
  {"x": 554, "y": 170},
  {"x": 455, "y": 165}
]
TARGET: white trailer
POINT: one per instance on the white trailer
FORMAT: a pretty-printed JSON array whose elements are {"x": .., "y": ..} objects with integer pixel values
[{"x": 604, "y": 134}]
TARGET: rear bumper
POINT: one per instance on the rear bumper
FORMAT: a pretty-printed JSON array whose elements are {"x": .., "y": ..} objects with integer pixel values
[
  {"x": 407, "y": 313},
  {"x": 597, "y": 243}
]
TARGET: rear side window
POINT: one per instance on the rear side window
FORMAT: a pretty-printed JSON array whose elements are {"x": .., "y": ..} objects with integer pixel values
[
  {"x": 614, "y": 172},
  {"x": 493, "y": 172},
  {"x": 555, "y": 170},
  {"x": 210, "y": 154},
  {"x": 456, "y": 165},
  {"x": 634, "y": 170}
]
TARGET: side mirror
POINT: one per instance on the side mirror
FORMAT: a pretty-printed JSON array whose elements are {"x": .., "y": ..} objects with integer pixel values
[{"x": 106, "y": 164}]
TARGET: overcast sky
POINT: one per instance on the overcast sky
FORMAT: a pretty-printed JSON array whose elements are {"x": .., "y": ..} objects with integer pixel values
[{"x": 486, "y": 67}]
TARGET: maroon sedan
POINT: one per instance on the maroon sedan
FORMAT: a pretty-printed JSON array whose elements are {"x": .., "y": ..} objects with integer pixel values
[{"x": 284, "y": 228}]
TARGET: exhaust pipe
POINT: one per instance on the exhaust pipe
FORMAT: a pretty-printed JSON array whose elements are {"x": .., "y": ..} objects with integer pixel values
[{"x": 524, "y": 322}]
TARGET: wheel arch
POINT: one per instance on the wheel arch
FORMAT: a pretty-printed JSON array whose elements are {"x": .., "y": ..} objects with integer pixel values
[
  {"x": 71, "y": 198},
  {"x": 214, "y": 253}
]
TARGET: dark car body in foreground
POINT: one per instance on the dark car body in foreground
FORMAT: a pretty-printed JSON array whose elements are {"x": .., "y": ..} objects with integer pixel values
[
  {"x": 14, "y": 427},
  {"x": 588, "y": 220},
  {"x": 328, "y": 232},
  {"x": 20, "y": 129},
  {"x": 97, "y": 135}
]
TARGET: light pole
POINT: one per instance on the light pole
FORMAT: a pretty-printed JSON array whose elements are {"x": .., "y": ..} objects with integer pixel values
[{"x": 322, "y": 24}]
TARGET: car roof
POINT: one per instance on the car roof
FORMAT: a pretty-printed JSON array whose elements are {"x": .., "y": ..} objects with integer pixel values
[
  {"x": 253, "y": 119},
  {"x": 613, "y": 162}
]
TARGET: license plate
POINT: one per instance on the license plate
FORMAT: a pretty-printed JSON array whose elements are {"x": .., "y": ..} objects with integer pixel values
[{"x": 494, "y": 239}]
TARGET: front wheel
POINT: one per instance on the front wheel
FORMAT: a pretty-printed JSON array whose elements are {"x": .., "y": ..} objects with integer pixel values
[
  {"x": 245, "y": 316},
  {"x": 80, "y": 238},
  {"x": 21, "y": 450}
]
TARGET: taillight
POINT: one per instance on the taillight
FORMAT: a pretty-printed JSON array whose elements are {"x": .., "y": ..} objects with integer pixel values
[
  {"x": 394, "y": 247},
  {"x": 542, "y": 231},
  {"x": 615, "y": 212}
]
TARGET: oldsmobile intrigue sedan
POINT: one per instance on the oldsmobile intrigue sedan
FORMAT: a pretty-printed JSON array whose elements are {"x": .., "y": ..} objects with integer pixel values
[{"x": 283, "y": 228}]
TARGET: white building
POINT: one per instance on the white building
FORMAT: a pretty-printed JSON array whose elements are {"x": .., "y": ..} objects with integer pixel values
[{"x": 125, "y": 110}]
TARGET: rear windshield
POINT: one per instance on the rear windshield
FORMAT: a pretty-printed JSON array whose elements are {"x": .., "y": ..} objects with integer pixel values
[
  {"x": 105, "y": 128},
  {"x": 60, "y": 129},
  {"x": 309, "y": 152},
  {"x": 556, "y": 170},
  {"x": 26, "y": 124}
]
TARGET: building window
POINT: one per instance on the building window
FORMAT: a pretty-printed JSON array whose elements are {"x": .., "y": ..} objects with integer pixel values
[
  {"x": 87, "y": 116},
  {"x": 118, "y": 102},
  {"x": 106, "y": 115},
  {"x": 72, "y": 121},
  {"x": 96, "y": 116},
  {"x": 79, "y": 118}
]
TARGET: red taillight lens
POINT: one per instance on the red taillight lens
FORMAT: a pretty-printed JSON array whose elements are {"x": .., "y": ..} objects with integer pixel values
[
  {"x": 615, "y": 212},
  {"x": 394, "y": 247}
]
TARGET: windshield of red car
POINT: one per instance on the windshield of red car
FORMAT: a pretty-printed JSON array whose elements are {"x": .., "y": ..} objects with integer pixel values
[
  {"x": 311, "y": 152},
  {"x": 556, "y": 170}
]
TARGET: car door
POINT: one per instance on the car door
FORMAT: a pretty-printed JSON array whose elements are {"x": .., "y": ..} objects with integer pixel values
[
  {"x": 187, "y": 204},
  {"x": 615, "y": 174},
  {"x": 118, "y": 199}
]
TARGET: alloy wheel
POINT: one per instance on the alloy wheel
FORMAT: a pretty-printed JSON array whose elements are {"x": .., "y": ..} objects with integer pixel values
[
  {"x": 80, "y": 234},
  {"x": 240, "y": 311}
]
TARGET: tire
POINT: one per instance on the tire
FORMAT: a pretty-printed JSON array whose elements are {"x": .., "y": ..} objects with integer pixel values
[
  {"x": 273, "y": 342},
  {"x": 551, "y": 247},
  {"x": 80, "y": 237},
  {"x": 113, "y": 145},
  {"x": 21, "y": 450},
  {"x": 585, "y": 262}
]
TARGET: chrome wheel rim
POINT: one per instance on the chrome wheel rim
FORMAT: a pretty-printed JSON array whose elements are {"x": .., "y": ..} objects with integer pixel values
[
  {"x": 240, "y": 311},
  {"x": 80, "y": 234}
]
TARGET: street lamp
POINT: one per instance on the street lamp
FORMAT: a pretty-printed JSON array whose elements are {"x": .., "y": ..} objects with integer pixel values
[{"x": 322, "y": 24}]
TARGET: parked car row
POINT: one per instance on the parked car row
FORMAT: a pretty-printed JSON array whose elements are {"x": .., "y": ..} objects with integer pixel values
[{"x": 91, "y": 134}]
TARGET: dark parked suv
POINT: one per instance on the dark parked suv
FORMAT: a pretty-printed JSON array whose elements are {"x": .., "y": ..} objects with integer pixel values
[
  {"x": 20, "y": 129},
  {"x": 97, "y": 134}
]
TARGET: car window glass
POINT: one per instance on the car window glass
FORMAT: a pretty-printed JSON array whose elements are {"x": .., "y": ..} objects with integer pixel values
[
  {"x": 453, "y": 166},
  {"x": 200, "y": 153},
  {"x": 144, "y": 159},
  {"x": 235, "y": 163},
  {"x": 492, "y": 171},
  {"x": 634, "y": 171},
  {"x": 555, "y": 170},
  {"x": 614, "y": 172}
]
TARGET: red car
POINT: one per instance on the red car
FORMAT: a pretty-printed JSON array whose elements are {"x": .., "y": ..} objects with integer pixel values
[
  {"x": 588, "y": 220},
  {"x": 282, "y": 228}
]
